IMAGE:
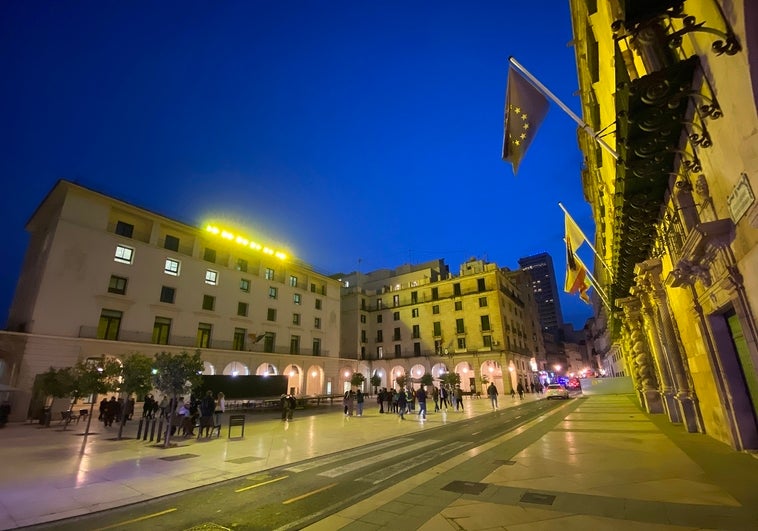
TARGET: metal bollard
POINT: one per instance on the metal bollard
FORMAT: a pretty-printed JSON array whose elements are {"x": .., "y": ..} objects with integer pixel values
[
  {"x": 152, "y": 430},
  {"x": 139, "y": 428}
]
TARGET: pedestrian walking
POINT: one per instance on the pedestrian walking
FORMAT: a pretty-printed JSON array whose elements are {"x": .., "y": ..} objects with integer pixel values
[
  {"x": 421, "y": 399},
  {"x": 520, "y": 390},
  {"x": 402, "y": 403},
  {"x": 458, "y": 398},
  {"x": 492, "y": 393},
  {"x": 436, "y": 398}
]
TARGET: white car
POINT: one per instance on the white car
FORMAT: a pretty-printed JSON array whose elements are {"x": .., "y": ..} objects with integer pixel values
[{"x": 556, "y": 391}]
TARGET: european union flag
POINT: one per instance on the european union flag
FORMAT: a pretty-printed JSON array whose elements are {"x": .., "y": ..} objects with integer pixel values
[{"x": 525, "y": 108}]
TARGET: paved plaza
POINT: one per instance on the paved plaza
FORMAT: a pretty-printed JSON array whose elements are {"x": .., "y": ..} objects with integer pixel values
[{"x": 604, "y": 464}]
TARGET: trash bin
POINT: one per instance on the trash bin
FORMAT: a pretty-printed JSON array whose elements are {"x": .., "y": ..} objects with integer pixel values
[{"x": 47, "y": 414}]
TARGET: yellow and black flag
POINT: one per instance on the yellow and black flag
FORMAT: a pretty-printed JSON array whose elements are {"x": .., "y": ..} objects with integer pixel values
[{"x": 525, "y": 108}]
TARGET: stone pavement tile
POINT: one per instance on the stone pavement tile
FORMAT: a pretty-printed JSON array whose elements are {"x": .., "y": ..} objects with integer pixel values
[
  {"x": 672, "y": 490},
  {"x": 331, "y": 523},
  {"x": 99, "y": 493},
  {"x": 477, "y": 516},
  {"x": 438, "y": 523},
  {"x": 592, "y": 523}
]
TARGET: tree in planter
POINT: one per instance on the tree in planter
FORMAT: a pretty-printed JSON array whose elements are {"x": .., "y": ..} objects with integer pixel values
[
  {"x": 357, "y": 379},
  {"x": 427, "y": 379},
  {"x": 451, "y": 379},
  {"x": 58, "y": 383},
  {"x": 376, "y": 381},
  {"x": 136, "y": 377},
  {"x": 400, "y": 380},
  {"x": 176, "y": 374},
  {"x": 94, "y": 377},
  {"x": 485, "y": 381}
]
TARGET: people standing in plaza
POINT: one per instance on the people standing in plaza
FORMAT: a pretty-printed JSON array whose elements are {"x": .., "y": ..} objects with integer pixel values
[
  {"x": 285, "y": 402},
  {"x": 387, "y": 401},
  {"x": 219, "y": 409},
  {"x": 129, "y": 408},
  {"x": 443, "y": 397},
  {"x": 436, "y": 398},
  {"x": 103, "y": 409},
  {"x": 458, "y": 398},
  {"x": 421, "y": 398},
  {"x": 349, "y": 403},
  {"x": 359, "y": 402},
  {"x": 163, "y": 405},
  {"x": 492, "y": 393},
  {"x": 520, "y": 390},
  {"x": 207, "y": 408}
]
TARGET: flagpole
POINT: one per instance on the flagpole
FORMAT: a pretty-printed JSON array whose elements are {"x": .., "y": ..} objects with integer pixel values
[
  {"x": 610, "y": 273},
  {"x": 542, "y": 88}
]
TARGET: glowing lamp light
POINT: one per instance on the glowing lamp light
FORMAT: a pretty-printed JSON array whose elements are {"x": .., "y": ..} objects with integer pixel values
[
  {"x": 292, "y": 373},
  {"x": 347, "y": 374},
  {"x": 465, "y": 370},
  {"x": 235, "y": 373},
  {"x": 491, "y": 369},
  {"x": 227, "y": 235},
  {"x": 212, "y": 229},
  {"x": 255, "y": 246},
  {"x": 280, "y": 255},
  {"x": 267, "y": 250},
  {"x": 241, "y": 240},
  {"x": 314, "y": 374},
  {"x": 510, "y": 369}
]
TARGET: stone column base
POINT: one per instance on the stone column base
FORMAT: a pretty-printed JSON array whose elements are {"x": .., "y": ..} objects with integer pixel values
[
  {"x": 652, "y": 401},
  {"x": 689, "y": 413},
  {"x": 671, "y": 405}
]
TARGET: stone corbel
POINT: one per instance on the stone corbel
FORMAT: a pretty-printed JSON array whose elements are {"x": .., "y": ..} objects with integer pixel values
[{"x": 699, "y": 250}]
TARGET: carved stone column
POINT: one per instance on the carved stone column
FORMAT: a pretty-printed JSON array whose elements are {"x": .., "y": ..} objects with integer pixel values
[
  {"x": 641, "y": 362},
  {"x": 649, "y": 277}
]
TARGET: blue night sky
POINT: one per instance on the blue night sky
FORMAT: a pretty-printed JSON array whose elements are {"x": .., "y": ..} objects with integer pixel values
[{"x": 357, "y": 135}]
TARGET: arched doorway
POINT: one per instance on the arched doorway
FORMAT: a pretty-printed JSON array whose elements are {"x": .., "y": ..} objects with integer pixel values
[
  {"x": 236, "y": 368},
  {"x": 294, "y": 376}
]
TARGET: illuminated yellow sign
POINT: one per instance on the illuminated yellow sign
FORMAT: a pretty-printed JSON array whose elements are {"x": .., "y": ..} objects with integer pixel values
[{"x": 245, "y": 242}]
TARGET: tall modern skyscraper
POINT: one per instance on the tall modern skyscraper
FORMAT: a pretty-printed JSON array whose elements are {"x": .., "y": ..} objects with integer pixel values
[{"x": 540, "y": 268}]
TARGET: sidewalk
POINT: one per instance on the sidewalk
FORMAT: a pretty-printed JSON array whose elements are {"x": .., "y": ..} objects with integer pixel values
[{"x": 597, "y": 462}]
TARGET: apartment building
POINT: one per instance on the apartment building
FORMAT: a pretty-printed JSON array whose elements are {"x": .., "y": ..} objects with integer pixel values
[
  {"x": 105, "y": 277},
  {"x": 419, "y": 319}
]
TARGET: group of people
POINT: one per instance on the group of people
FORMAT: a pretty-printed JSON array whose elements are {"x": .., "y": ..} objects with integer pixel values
[
  {"x": 204, "y": 413},
  {"x": 115, "y": 410},
  {"x": 406, "y": 399},
  {"x": 354, "y": 400}
]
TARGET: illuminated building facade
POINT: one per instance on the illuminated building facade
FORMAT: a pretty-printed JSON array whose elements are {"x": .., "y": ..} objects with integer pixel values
[
  {"x": 102, "y": 276},
  {"x": 673, "y": 86},
  {"x": 419, "y": 319}
]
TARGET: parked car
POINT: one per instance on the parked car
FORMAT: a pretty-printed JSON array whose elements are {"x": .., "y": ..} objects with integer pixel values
[{"x": 556, "y": 391}]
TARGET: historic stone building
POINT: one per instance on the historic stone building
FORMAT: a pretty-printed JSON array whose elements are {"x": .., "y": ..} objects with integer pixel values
[
  {"x": 104, "y": 277},
  {"x": 672, "y": 87},
  {"x": 419, "y": 319}
]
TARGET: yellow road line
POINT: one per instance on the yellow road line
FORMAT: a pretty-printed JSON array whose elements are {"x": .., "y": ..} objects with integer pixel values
[
  {"x": 261, "y": 484},
  {"x": 140, "y": 519},
  {"x": 292, "y": 500}
]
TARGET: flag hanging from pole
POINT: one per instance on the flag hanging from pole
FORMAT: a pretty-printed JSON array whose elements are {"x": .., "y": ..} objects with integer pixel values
[
  {"x": 525, "y": 108},
  {"x": 577, "y": 280}
]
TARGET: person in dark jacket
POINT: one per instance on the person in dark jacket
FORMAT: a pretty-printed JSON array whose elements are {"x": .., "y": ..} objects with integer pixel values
[{"x": 207, "y": 407}]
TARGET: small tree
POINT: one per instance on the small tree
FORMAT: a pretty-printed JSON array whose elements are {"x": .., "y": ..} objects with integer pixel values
[
  {"x": 451, "y": 379},
  {"x": 376, "y": 381},
  {"x": 427, "y": 379},
  {"x": 94, "y": 377},
  {"x": 58, "y": 383},
  {"x": 357, "y": 379},
  {"x": 176, "y": 374},
  {"x": 136, "y": 377},
  {"x": 400, "y": 380}
]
